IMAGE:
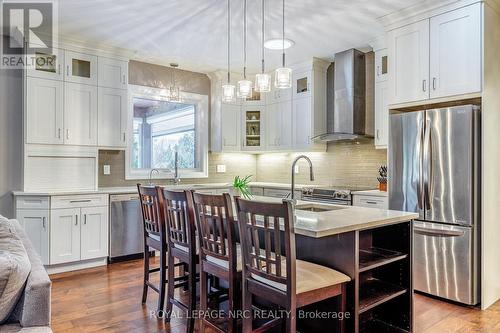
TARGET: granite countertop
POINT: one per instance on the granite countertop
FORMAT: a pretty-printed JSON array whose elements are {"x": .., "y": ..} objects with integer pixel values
[
  {"x": 341, "y": 219},
  {"x": 133, "y": 189},
  {"x": 375, "y": 193}
]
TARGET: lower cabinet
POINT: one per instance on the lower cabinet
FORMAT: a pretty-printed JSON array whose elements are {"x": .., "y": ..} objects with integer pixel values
[
  {"x": 36, "y": 225},
  {"x": 370, "y": 201},
  {"x": 94, "y": 232}
]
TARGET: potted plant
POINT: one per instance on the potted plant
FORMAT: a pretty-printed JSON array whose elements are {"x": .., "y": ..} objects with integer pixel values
[{"x": 240, "y": 186}]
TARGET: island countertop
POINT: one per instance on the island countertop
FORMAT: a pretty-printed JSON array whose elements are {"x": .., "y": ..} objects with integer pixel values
[{"x": 340, "y": 219}]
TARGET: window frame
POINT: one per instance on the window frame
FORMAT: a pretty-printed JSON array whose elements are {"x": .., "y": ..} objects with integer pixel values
[{"x": 200, "y": 103}]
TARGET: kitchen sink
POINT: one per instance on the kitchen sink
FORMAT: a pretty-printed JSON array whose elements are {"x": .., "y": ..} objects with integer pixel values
[{"x": 318, "y": 207}]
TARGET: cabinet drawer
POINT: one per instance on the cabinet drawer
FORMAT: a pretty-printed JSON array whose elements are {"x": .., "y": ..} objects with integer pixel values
[
  {"x": 257, "y": 191},
  {"x": 29, "y": 202},
  {"x": 75, "y": 201},
  {"x": 370, "y": 201}
]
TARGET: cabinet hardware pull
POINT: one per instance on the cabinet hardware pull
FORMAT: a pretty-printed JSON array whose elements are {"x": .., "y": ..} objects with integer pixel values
[
  {"x": 424, "y": 85},
  {"x": 85, "y": 219},
  {"x": 378, "y": 70},
  {"x": 433, "y": 83},
  {"x": 123, "y": 136},
  {"x": 77, "y": 201},
  {"x": 76, "y": 219},
  {"x": 67, "y": 134},
  {"x": 67, "y": 70},
  {"x": 378, "y": 134},
  {"x": 58, "y": 133},
  {"x": 371, "y": 202},
  {"x": 59, "y": 69},
  {"x": 124, "y": 81},
  {"x": 43, "y": 223}
]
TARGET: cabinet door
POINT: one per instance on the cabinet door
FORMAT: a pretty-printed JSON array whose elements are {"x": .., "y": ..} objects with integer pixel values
[
  {"x": 231, "y": 127},
  {"x": 44, "y": 123},
  {"x": 112, "y": 117},
  {"x": 381, "y": 65},
  {"x": 285, "y": 111},
  {"x": 80, "y": 68},
  {"x": 381, "y": 115},
  {"x": 47, "y": 65},
  {"x": 253, "y": 128},
  {"x": 112, "y": 73},
  {"x": 64, "y": 235},
  {"x": 455, "y": 65},
  {"x": 408, "y": 56},
  {"x": 80, "y": 114},
  {"x": 302, "y": 121},
  {"x": 273, "y": 126},
  {"x": 36, "y": 226},
  {"x": 302, "y": 83},
  {"x": 94, "y": 232}
]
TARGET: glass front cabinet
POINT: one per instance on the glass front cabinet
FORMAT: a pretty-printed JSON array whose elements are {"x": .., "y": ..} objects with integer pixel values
[
  {"x": 47, "y": 65},
  {"x": 81, "y": 68},
  {"x": 253, "y": 134}
]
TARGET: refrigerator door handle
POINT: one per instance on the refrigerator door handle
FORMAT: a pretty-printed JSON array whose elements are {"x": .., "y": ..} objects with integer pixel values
[
  {"x": 438, "y": 232},
  {"x": 420, "y": 191},
  {"x": 427, "y": 164}
]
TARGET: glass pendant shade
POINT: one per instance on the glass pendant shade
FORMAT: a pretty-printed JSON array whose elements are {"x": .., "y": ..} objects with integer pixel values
[
  {"x": 263, "y": 82},
  {"x": 283, "y": 78},
  {"x": 174, "y": 94},
  {"x": 244, "y": 89},
  {"x": 228, "y": 92}
]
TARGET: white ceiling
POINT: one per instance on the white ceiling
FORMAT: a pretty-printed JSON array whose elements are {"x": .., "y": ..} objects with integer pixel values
[{"x": 193, "y": 32}]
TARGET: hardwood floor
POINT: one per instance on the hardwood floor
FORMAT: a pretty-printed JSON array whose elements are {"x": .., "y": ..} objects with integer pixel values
[{"x": 108, "y": 299}]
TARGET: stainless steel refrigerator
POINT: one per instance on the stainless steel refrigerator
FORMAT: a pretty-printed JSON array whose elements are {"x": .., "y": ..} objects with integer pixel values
[{"x": 434, "y": 171}]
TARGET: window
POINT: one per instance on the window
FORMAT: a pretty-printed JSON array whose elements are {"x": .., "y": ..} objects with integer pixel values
[{"x": 161, "y": 128}]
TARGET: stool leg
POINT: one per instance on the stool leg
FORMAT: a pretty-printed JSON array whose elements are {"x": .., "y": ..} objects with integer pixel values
[
  {"x": 146, "y": 274},
  {"x": 192, "y": 296},
  {"x": 233, "y": 305},
  {"x": 291, "y": 323},
  {"x": 342, "y": 308},
  {"x": 163, "y": 278},
  {"x": 171, "y": 287},
  {"x": 203, "y": 296},
  {"x": 247, "y": 310}
]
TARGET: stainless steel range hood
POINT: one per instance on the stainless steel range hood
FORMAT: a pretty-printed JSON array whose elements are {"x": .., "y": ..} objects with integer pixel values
[{"x": 346, "y": 98}]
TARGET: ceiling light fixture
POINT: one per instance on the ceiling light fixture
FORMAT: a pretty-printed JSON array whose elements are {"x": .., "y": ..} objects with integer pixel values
[
  {"x": 263, "y": 80},
  {"x": 173, "y": 91},
  {"x": 244, "y": 89},
  {"x": 277, "y": 44},
  {"x": 283, "y": 75},
  {"x": 228, "y": 89}
]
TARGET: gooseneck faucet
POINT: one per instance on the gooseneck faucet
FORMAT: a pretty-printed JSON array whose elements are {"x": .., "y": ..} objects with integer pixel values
[
  {"x": 177, "y": 178},
  {"x": 311, "y": 173},
  {"x": 151, "y": 175}
]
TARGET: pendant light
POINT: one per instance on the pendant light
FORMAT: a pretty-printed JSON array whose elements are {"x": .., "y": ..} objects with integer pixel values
[
  {"x": 244, "y": 89},
  {"x": 174, "y": 93},
  {"x": 228, "y": 89},
  {"x": 263, "y": 80},
  {"x": 283, "y": 75}
]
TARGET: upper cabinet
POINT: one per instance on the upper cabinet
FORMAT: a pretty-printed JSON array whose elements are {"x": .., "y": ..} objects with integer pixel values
[
  {"x": 381, "y": 65},
  {"x": 436, "y": 57},
  {"x": 302, "y": 83},
  {"x": 112, "y": 117},
  {"x": 80, "y": 68},
  {"x": 80, "y": 114},
  {"x": 408, "y": 54},
  {"x": 231, "y": 127},
  {"x": 253, "y": 121},
  {"x": 48, "y": 65},
  {"x": 455, "y": 52},
  {"x": 112, "y": 73}
]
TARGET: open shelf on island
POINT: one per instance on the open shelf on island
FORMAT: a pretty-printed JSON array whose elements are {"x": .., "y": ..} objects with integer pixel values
[
  {"x": 379, "y": 326},
  {"x": 375, "y": 257},
  {"x": 373, "y": 292}
]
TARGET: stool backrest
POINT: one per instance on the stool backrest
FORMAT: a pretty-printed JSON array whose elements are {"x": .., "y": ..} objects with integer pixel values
[
  {"x": 152, "y": 213},
  {"x": 179, "y": 217},
  {"x": 263, "y": 227},
  {"x": 216, "y": 227}
]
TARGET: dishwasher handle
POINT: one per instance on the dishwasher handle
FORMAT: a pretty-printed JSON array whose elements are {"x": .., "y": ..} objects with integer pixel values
[{"x": 123, "y": 197}]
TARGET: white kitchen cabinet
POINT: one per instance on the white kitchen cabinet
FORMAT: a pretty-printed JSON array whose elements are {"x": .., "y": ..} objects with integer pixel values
[
  {"x": 112, "y": 117},
  {"x": 64, "y": 235},
  {"x": 302, "y": 122},
  {"x": 455, "y": 52},
  {"x": 370, "y": 201},
  {"x": 44, "y": 118},
  {"x": 36, "y": 225},
  {"x": 94, "y": 232},
  {"x": 47, "y": 65},
  {"x": 277, "y": 95},
  {"x": 279, "y": 126},
  {"x": 231, "y": 127},
  {"x": 381, "y": 115},
  {"x": 285, "y": 111},
  {"x": 408, "y": 57},
  {"x": 301, "y": 86},
  {"x": 381, "y": 65},
  {"x": 113, "y": 73},
  {"x": 80, "y": 114},
  {"x": 80, "y": 68},
  {"x": 253, "y": 126}
]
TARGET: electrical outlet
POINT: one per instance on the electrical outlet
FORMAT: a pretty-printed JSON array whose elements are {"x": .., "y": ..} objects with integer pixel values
[
  {"x": 221, "y": 168},
  {"x": 296, "y": 169},
  {"x": 107, "y": 169}
]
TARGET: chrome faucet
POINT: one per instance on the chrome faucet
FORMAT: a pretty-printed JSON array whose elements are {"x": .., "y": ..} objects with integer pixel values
[
  {"x": 311, "y": 174},
  {"x": 177, "y": 178},
  {"x": 151, "y": 175}
]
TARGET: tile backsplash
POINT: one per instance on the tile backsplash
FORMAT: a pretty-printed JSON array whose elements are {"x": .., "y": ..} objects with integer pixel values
[
  {"x": 344, "y": 164},
  {"x": 352, "y": 164}
]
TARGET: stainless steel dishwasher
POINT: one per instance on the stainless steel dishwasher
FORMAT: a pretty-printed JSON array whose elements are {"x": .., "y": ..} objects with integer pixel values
[{"x": 126, "y": 231}]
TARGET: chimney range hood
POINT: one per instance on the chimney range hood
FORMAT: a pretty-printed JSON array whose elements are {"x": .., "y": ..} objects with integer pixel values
[{"x": 346, "y": 98}]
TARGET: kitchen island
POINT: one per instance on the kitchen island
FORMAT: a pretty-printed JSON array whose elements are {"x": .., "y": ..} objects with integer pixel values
[{"x": 374, "y": 248}]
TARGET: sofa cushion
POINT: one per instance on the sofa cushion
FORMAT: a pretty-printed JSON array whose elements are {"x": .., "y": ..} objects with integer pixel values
[{"x": 15, "y": 268}]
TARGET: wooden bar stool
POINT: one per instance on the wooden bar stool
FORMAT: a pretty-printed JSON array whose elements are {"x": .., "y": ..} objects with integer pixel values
[
  {"x": 181, "y": 241},
  {"x": 278, "y": 277},
  {"x": 220, "y": 255}
]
